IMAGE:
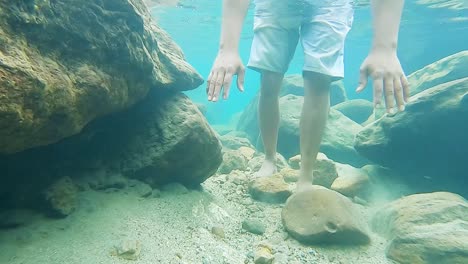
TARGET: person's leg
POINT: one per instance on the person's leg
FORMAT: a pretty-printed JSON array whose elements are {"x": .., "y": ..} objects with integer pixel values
[
  {"x": 268, "y": 119},
  {"x": 312, "y": 124},
  {"x": 323, "y": 34},
  {"x": 273, "y": 47}
]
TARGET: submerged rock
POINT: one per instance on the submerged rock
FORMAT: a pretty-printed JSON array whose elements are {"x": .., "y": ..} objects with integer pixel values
[
  {"x": 272, "y": 189},
  {"x": 66, "y": 63},
  {"x": 254, "y": 226},
  {"x": 426, "y": 141},
  {"x": 358, "y": 110},
  {"x": 425, "y": 229},
  {"x": 350, "y": 181},
  {"x": 128, "y": 249},
  {"x": 448, "y": 69},
  {"x": 321, "y": 216},
  {"x": 232, "y": 160},
  {"x": 61, "y": 197}
]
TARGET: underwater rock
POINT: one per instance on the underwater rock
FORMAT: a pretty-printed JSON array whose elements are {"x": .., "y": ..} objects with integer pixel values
[
  {"x": 235, "y": 139},
  {"x": 448, "y": 69},
  {"x": 128, "y": 249},
  {"x": 351, "y": 181},
  {"x": 290, "y": 175},
  {"x": 294, "y": 84},
  {"x": 325, "y": 171},
  {"x": 160, "y": 140},
  {"x": 321, "y": 216},
  {"x": 263, "y": 255},
  {"x": 232, "y": 160},
  {"x": 427, "y": 143},
  {"x": 338, "y": 138},
  {"x": 425, "y": 228},
  {"x": 66, "y": 63},
  {"x": 295, "y": 162},
  {"x": 358, "y": 110},
  {"x": 272, "y": 189},
  {"x": 254, "y": 226},
  {"x": 140, "y": 188},
  {"x": 61, "y": 197}
]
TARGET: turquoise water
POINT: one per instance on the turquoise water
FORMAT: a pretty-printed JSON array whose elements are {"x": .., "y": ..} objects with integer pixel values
[{"x": 430, "y": 30}]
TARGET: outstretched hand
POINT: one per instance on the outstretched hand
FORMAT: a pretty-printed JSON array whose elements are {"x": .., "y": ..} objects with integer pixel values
[
  {"x": 389, "y": 80},
  {"x": 224, "y": 68}
]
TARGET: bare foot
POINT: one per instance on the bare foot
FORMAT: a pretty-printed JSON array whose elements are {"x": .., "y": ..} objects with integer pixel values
[
  {"x": 268, "y": 168},
  {"x": 304, "y": 182}
]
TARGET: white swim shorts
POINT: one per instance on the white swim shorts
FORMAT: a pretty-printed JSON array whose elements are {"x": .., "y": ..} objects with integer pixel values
[{"x": 321, "y": 25}]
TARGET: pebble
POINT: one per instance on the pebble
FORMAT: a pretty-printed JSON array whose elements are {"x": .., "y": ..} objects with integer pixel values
[
  {"x": 254, "y": 226},
  {"x": 129, "y": 249},
  {"x": 263, "y": 256},
  {"x": 218, "y": 231}
]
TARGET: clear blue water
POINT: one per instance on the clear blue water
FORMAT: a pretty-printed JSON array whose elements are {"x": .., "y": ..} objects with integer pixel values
[{"x": 427, "y": 34}]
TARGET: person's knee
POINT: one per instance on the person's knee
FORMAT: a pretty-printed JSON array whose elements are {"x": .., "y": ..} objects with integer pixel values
[
  {"x": 316, "y": 83},
  {"x": 270, "y": 84}
]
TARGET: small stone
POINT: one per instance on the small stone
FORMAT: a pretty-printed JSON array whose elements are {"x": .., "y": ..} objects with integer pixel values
[
  {"x": 263, "y": 255},
  {"x": 218, "y": 231},
  {"x": 271, "y": 189},
  {"x": 351, "y": 181},
  {"x": 290, "y": 175},
  {"x": 175, "y": 188},
  {"x": 129, "y": 249},
  {"x": 295, "y": 162},
  {"x": 254, "y": 226},
  {"x": 247, "y": 152},
  {"x": 143, "y": 189}
]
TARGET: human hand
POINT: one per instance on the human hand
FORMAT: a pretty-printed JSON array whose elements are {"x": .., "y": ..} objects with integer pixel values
[
  {"x": 388, "y": 77},
  {"x": 226, "y": 65}
]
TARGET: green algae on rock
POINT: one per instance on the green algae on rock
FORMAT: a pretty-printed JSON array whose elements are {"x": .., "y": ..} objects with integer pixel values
[{"x": 57, "y": 74}]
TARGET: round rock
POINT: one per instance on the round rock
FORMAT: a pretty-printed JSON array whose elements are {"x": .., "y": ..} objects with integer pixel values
[{"x": 321, "y": 216}]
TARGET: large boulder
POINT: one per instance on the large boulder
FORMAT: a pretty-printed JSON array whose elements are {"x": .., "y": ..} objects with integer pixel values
[
  {"x": 160, "y": 140},
  {"x": 358, "y": 110},
  {"x": 65, "y": 63},
  {"x": 445, "y": 70},
  {"x": 427, "y": 141},
  {"x": 425, "y": 228}
]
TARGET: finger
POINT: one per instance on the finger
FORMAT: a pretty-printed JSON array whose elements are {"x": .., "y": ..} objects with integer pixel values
[
  {"x": 240, "y": 79},
  {"x": 214, "y": 76},
  {"x": 227, "y": 84},
  {"x": 208, "y": 83},
  {"x": 389, "y": 94},
  {"x": 362, "y": 80},
  {"x": 399, "y": 94},
  {"x": 378, "y": 89},
  {"x": 218, "y": 85},
  {"x": 406, "y": 88}
]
